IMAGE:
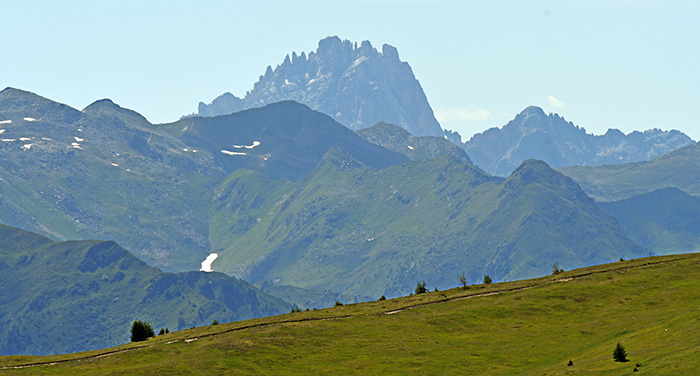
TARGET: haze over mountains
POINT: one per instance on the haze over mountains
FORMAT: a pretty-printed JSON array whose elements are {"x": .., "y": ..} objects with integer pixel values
[
  {"x": 294, "y": 201},
  {"x": 534, "y": 134},
  {"x": 357, "y": 86},
  {"x": 285, "y": 194}
]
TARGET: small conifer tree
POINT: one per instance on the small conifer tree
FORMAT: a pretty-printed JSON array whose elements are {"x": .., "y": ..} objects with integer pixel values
[
  {"x": 420, "y": 288},
  {"x": 619, "y": 354},
  {"x": 487, "y": 279},
  {"x": 141, "y": 331}
]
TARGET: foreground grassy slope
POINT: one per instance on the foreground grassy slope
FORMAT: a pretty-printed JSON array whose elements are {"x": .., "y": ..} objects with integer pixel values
[{"x": 530, "y": 327}]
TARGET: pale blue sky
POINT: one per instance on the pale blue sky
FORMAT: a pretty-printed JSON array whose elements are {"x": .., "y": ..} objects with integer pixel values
[{"x": 601, "y": 64}]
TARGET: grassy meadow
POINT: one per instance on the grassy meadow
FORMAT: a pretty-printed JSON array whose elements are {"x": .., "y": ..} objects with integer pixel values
[{"x": 530, "y": 327}]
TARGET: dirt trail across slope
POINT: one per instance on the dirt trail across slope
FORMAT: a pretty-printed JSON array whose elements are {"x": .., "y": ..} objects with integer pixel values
[{"x": 340, "y": 317}]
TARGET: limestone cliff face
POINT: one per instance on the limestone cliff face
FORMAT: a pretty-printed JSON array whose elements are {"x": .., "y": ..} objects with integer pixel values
[
  {"x": 358, "y": 86},
  {"x": 536, "y": 135}
]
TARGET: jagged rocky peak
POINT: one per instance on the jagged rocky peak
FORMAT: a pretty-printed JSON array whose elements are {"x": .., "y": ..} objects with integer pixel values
[{"x": 358, "y": 86}]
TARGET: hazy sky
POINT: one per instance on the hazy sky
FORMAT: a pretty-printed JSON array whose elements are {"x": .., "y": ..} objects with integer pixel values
[{"x": 600, "y": 64}]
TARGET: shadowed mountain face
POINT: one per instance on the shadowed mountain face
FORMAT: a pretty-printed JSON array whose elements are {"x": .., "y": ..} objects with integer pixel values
[
  {"x": 533, "y": 134},
  {"x": 357, "y": 86},
  {"x": 60, "y": 297},
  {"x": 679, "y": 169},
  {"x": 665, "y": 220},
  {"x": 282, "y": 140}
]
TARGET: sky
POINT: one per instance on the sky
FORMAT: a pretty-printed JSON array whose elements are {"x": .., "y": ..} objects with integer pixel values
[{"x": 630, "y": 65}]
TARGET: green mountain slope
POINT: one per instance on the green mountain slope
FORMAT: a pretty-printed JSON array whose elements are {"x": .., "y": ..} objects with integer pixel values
[
  {"x": 79, "y": 295},
  {"x": 107, "y": 173},
  {"x": 679, "y": 169},
  {"x": 532, "y": 327},
  {"x": 665, "y": 221},
  {"x": 351, "y": 228}
]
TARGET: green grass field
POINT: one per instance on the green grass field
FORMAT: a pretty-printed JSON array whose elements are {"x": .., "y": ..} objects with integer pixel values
[{"x": 531, "y": 327}]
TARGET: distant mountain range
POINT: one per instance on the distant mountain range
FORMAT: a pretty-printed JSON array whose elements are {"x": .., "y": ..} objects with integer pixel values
[
  {"x": 679, "y": 169},
  {"x": 58, "y": 297},
  {"x": 357, "y": 86},
  {"x": 666, "y": 220},
  {"x": 534, "y": 134},
  {"x": 269, "y": 188}
]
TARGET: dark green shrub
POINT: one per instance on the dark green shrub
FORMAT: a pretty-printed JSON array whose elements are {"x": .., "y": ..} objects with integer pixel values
[
  {"x": 215, "y": 322},
  {"x": 161, "y": 332},
  {"x": 382, "y": 297},
  {"x": 337, "y": 304},
  {"x": 571, "y": 363},
  {"x": 141, "y": 331},
  {"x": 487, "y": 279}
]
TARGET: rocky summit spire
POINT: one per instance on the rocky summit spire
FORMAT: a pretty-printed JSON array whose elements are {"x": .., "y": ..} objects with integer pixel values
[{"x": 355, "y": 84}]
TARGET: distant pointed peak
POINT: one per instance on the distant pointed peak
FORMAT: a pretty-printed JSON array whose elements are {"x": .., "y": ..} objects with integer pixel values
[
  {"x": 106, "y": 105},
  {"x": 533, "y": 110},
  {"x": 532, "y": 170},
  {"x": 101, "y": 103},
  {"x": 389, "y": 127}
]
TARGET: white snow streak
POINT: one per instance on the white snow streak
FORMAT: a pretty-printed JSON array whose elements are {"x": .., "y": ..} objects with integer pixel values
[
  {"x": 6, "y": 122},
  {"x": 79, "y": 139},
  {"x": 29, "y": 119},
  {"x": 410, "y": 147},
  {"x": 27, "y": 146},
  {"x": 232, "y": 152},
  {"x": 206, "y": 264},
  {"x": 255, "y": 143},
  {"x": 25, "y": 138},
  {"x": 8, "y": 139},
  {"x": 114, "y": 164}
]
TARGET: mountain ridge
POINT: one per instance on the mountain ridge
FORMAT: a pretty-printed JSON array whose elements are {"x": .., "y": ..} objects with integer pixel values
[
  {"x": 81, "y": 295},
  {"x": 356, "y": 85},
  {"x": 561, "y": 143}
]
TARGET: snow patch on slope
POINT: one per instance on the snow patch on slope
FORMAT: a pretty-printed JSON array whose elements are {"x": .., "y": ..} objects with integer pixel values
[{"x": 206, "y": 264}]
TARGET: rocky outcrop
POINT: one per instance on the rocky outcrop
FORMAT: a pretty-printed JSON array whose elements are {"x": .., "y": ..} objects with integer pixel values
[{"x": 358, "y": 86}]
